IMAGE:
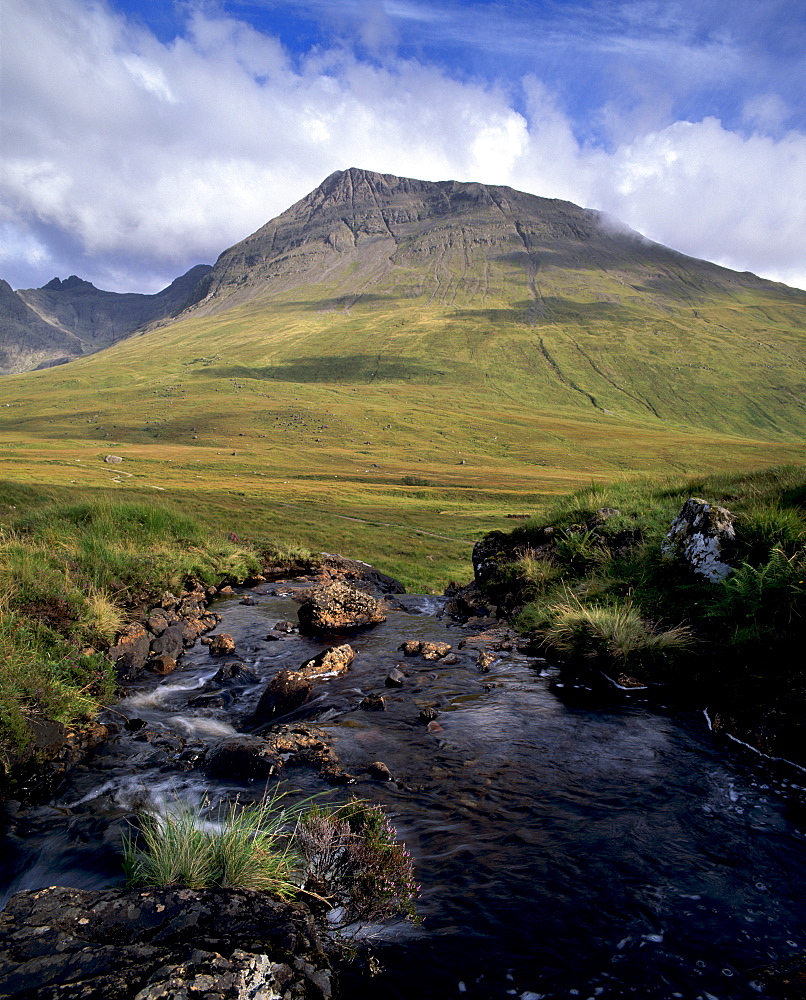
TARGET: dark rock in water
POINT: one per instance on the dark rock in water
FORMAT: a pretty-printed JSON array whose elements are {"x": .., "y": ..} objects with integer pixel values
[
  {"x": 395, "y": 678},
  {"x": 450, "y": 659},
  {"x": 339, "y": 606},
  {"x": 300, "y": 745},
  {"x": 234, "y": 673},
  {"x": 377, "y": 769},
  {"x": 132, "y": 725},
  {"x": 162, "y": 664},
  {"x": 287, "y": 691},
  {"x": 285, "y": 626},
  {"x": 428, "y": 714},
  {"x": 243, "y": 758},
  {"x": 248, "y": 600},
  {"x": 786, "y": 980},
  {"x": 158, "y": 943},
  {"x": 467, "y": 602},
  {"x": 170, "y": 643},
  {"x": 219, "y": 700},
  {"x": 373, "y": 703},
  {"x": 221, "y": 644}
]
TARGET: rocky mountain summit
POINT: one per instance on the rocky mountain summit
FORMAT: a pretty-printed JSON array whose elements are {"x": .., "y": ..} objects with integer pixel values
[{"x": 368, "y": 233}]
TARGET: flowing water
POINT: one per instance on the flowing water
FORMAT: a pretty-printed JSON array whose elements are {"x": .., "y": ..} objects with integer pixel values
[{"x": 609, "y": 851}]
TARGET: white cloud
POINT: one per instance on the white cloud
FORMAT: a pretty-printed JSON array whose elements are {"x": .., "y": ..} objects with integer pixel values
[{"x": 152, "y": 156}]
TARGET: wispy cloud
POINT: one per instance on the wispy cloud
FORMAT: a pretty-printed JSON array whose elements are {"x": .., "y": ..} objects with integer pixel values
[{"x": 128, "y": 158}]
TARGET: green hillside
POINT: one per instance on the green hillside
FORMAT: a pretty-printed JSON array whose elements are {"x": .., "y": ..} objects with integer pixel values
[{"x": 430, "y": 377}]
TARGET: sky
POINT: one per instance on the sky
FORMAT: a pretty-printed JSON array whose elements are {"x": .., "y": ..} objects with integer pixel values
[{"x": 141, "y": 137}]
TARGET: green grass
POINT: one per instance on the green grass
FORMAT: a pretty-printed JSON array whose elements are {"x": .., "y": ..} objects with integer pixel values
[
  {"x": 243, "y": 847},
  {"x": 69, "y": 575},
  {"x": 612, "y": 601},
  {"x": 344, "y": 858}
]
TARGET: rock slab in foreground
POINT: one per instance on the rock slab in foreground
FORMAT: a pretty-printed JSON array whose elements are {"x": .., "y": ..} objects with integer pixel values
[
  {"x": 146, "y": 944},
  {"x": 339, "y": 606}
]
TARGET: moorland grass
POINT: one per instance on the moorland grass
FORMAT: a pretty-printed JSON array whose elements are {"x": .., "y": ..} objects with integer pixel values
[
  {"x": 69, "y": 575},
  {"x": 740, "y": 638}
]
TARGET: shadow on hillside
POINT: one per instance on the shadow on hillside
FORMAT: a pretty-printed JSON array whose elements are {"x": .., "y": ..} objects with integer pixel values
[
  {"x": 339, "y": 303},
  {"x": 553, "y": 309},
  {"x": 359, "y": 369}
]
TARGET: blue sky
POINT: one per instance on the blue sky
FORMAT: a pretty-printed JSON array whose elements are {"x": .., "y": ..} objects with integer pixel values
[{"x": 142, "y": 136}]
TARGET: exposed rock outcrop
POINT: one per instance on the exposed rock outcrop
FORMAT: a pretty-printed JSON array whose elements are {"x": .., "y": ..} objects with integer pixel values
[
  {"x": 159, "y": 943},
  {"x": 699, "y": 535}
]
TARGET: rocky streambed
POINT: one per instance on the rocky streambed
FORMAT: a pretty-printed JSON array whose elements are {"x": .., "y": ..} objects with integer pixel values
[{"x": 612, "y": 850}]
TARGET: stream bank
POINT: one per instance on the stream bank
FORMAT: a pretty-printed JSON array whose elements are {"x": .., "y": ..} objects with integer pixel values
[{"x": 615, "y": 849}]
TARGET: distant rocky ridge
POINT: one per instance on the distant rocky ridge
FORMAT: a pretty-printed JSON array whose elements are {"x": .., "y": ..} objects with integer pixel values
[
  {"x": 63, "y": 320},
  {"x": 364, "y": 236}
]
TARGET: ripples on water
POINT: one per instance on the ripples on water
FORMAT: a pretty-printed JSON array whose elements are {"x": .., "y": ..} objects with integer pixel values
[{"x": 563, "y": 852}]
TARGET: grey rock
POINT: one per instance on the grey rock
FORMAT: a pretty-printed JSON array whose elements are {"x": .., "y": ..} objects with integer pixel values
[{"x": 698, "y": 536}]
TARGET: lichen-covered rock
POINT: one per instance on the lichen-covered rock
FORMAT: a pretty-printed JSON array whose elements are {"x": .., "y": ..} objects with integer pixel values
[
  {"x": 339, "y": 606},
  {"x": 434, "y": 650},
  {"x": 698, "y": 535},
  {"x": 331, "y": 662},
  {"x": 149, "y": 944},
  {"x": 221, "y": 644}
]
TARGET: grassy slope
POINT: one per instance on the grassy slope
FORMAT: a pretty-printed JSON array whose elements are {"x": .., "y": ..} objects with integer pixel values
[{"x": 298, "y": 413}]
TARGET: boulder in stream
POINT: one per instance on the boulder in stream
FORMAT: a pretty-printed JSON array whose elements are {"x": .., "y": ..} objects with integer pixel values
[
  {"x": 243, "y": 758},
  {"x": 216, "y": 944},
  {"x": 287, "y": 691},
  {"x": 339, "y": 606},
  {"x": 221, "y": 644},
  {"x": 331, "y": 662}
]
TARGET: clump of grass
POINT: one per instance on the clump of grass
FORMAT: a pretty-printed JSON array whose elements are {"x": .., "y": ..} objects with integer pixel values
[
  {"x": 617, "y": 634},
  {"x": 244, "y": 847},
  {"x": 344, "y": 857}
]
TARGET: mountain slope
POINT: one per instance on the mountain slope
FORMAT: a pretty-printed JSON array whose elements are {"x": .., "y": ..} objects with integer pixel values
[
  {"x": 67, "y": 319},
  {"x": 391, "y": 364}
]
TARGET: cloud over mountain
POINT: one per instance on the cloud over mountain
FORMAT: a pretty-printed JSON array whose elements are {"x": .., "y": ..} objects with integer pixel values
[{"x": 128, "y": 156}]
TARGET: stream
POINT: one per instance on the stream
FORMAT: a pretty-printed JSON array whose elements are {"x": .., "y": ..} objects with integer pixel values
[{"x": 610, "y": 851}]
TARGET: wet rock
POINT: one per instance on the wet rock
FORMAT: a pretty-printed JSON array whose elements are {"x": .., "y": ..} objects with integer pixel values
[
  {"x": 450, "y": 659},
  {"x": 485, "y": 660},
  {"x": 467, "y": 602},
  {"x": 235, "y": 673},
  {"x": 222, "y": 644},
  {"x": 243, "y": 758},
  {"x": 248, "y": 600},
  {"x": 410, "y": 647},
  {"x": 217, "y": 700},
  {"x": 287, "y": 691},
  {"x": 395, "y": 678},
  {"x": 300, "y": 745},
  {"x": 698, "y": 535},
  {"x": 132, "y": 725},
  {"x": 170, "y": 643},
  {"x": 130, "y": 652},
  {"x": 434, "y": 650},
  {"x": 377, "y": 769},
  {"x": 226, "y": 591},
  {"x": 434, "y": 727},
  {"x": 339, "y": 606},
  {"x": 333, "y": 661},
  {"x": 162, "y": 664},
  {"x": 154, "y": 943},
  {"x": 428, "y": 714},
  {"x": 285, "y": 626},
  {"x": 373, "y": 703},
  {"x": 625, "y": 681}
]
